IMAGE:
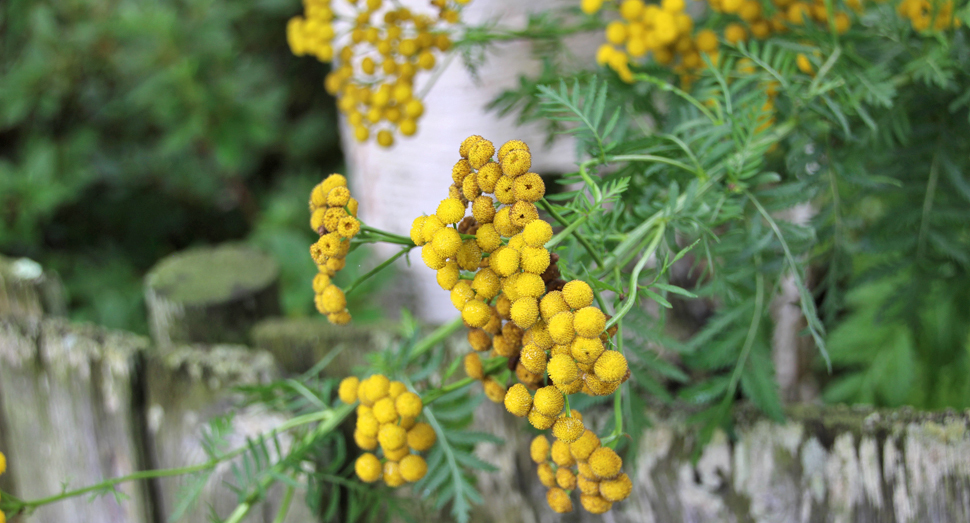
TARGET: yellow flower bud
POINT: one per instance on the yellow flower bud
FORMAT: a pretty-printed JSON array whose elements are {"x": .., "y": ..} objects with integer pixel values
[
  {"x": 480, "y": 153},
  {"x": 529, "y": 284},
  {"x": 448, "y": 275},
  {"x": 535, "y": 260},
  {"x": 479, "y": 340},
  {"x": 392, "y": 474},
  {"x": 384, "y": 410},
  {"x": 605, "y": 462},
  {"x": 486, "y": 283},
  {"x": 473, "y": 366},
  {"x": 368, "y": 468},
  {"x": 540, "y": 421},
  {"x": 431, "y": 258},
  {"x": 446, "y": 242},
  {"x": 391, "y": 436},
  {"x": 518, "y": 401},
  {"x": 586, "y": 350},
  {"x": 583, "y": 446},
  {"x": 522, "y": 213},
  {"x": 488, "y": 176},
  {"x": 595, "y": 504},
  {"x": 333, "y": 299},
  {"x": 421, "y": 437},
  {"x": 548, "y": 401},
  {"x": 413, "y": 468},
  {"x": 552, "y": 304},
  {"x": 416, "y": 235},
  {"x": 529, "y": 187},
  {"x": 347, "y": 391},
  {"x": 483, "y": 209},
  {"x": 539, "y": 449},
  {"x": 562, "y": 369},
  {"x": 509, "y": 146},
  {"x": 610, "y": 367},
  {"x": 494, "y": 390},
  {"x": 505, "y": 190},
  {"x": 487, "y": 238},
  {"x": 561, "y": 328},
  {"x": 516, "y": 162},
  {"x": 469, "y": 255},
  {"x": 373, "y": 388},
  {"x": 450, "y": 211},
  {"x": 568, "y": 430},
  {"x": 503, "y": 222},
  {"x": 547, "y": 476},
  {"x": 364, "y": 442},
  {"x": 396, "y": 389},
  {"x": 525, "y": 311},
  {"x": 504, "y": 261},
  {"x": 557, "y": 498},
  {"x": 587, "y": 485},
  {"x": 408, "y": 404},
  {"x": 616, "y": 489},
  {"x": 533, "y": 358},
  {"x": 476, "y": 313}
]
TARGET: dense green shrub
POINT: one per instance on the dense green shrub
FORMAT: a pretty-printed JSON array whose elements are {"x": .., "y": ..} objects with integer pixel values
[{"x": 131, "y": 129}]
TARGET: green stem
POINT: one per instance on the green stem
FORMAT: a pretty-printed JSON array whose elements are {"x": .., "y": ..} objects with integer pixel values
[
  {"x": 436, "y": 337},
  {"x": 698, "y": 171},
  {"x": 432, "y": 395},
  {"x": 635, "y": 277},
  {"x": 391, "y": 237},
  {"x": 285, "y": 505},
  {"x": 404, "y": 250}
]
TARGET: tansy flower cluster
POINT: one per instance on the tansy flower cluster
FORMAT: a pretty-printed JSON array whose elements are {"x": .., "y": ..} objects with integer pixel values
[
  {"x": 667, "y": 33},
  {"x": 926, "y": 14},
  {"x": 508, "y": 288},
  {"x": 387, "y": 418},
  {"x": 385, "y": 50},
  {"x": 580, "y": 464},
  {"x": 333, "y": 215}
]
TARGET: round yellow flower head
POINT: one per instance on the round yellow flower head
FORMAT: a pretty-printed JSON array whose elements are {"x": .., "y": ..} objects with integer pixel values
[
  {"x": 605, "y": 462},
  {"x": 487, "y": 238},
  {"x": 488, "y": 175},
  {"x": 480, "y": 153},
  {"x": 525, "y": 311},
  {"x": 539, "y": 335},
  {"x": 469, "y": 255},
  {"x": 368, "y": 425},
  {"x": 516, "y": 162},
  {"x": 561, "y": 328},
  {"x": 540, "y": 421},
  {"x": 518, "y": 401},
  {"x": 494, "y": 390},
  {"x": 320, "y": 282},
  {"x": 560, "y": 453},
  {"x": 527, "y": 377},
  {"x": 610, "y": 367},
  {"x": 461, "y": 293},
  {"x": 460, "y": 171},
  {"x": 450, "y": 211},
  {"x": 333, "y": 299},
  {"x": 503, "y": 347},
  {"x": 547, "y": 476},
  {"x": 517, "y": 243},
  {"x": 578, "y": 294},
  {"x": 348, "y": 227},
  {"x": 616, "y": 489},
  {"x": 593, "y": 386},
  {"x": 384, "y": 410},
  {"x": 466, "y": 145},
  {"x": 446, "y": 242},
  {"x": 529, "y": 187},
  {"x": 448, "y": 275},
  {"x": 584, "y": 445},
  {"x": 431, "y": 225},
  {"x": 368, "y": 467},
  {"x": 539, "y": 449},
  {"x": 557, "y": 498},
  {"x": 431, "y": 258},
  {"x": 483, "y": 209},
  {"x": 589, "y": 322},
  {"x": 529, "y": 284},
  {"x": 479, "y": 340},
  {"x": 587, "y": 484},
  {"x": 486, "y": 283},
  {"x": 509, "y": 146},
  {"x": 408, "y": 404},
  {"x": 396, "y": 389},
  {"x": 417, "y": 236},
  {"x": 586, "y": 350},
  {"x": 566, "y": 479},
  {"x": 347, "y": 391},
  {"x": 533, "y": 358},
  {"x": 338, "y": 196},
  {"x": 476, "y": 313},
  {"x": 421, "y": 437},
  {"x": 473, "y": 366},
  {"x": 568, "y": 429},
  {"x": 552, "y": 304},
  {"x": 413, "y": 468},
  {"x": 562, "y": 369},
  {"x": 503, "y": 223},
  {"x": 595, "y": 504},
  {"x": 522, "y": 213},
  {"x": 548, "y": 401},
  {"x": 505, "y": 190},
  {"x": 504, "y": 261},
  {"x": 470, "y": 189},
  {"x": 535, "y": 259},
  {"x": 537, "y": 233},
  {"x": 392, "y": 474},
  {"x": 373, "y": 388},
  {"x": 391, "y": 436},
  {"x": 364, "y": 442}
]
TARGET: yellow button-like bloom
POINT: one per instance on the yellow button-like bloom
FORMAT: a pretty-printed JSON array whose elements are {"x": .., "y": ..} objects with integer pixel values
[
  {"x": 413, "y": 468},
  {"x": 421, "y": 437},
  {"x": 605, "y": 462},
  {"x": 391, "y": 436},
  {"x": 589, "y": 322},
  {"x": 408, "y": 404},
  {"x": 347, "y": 391},
  {"x": 595, "y": 504},
  {"x": 384, "y": 410},
  {"x": 610, "y": 367},
  {"x": 539, "y": 449},
  {"x": 368, "y": 467},
  {"x": 518, "y": 401},
  {"x": 578, "y": 294},
  {"x": 557, "y": 498},
  {"x": 616, "y": 489},
  {"x": 476, "y": 313},
  {"x": 584, "y": 445}
]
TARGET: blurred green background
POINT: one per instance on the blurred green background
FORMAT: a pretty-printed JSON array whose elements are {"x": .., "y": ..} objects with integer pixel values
[{"x": 130, "y": 129}]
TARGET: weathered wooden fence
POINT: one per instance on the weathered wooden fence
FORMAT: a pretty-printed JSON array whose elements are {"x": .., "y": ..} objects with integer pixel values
[{"x": 79, "y": 403}]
